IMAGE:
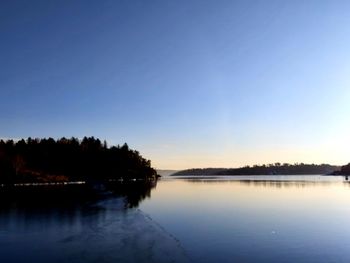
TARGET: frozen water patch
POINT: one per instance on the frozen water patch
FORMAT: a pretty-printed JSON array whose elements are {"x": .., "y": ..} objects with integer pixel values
[{"x": 121, "y": 236}]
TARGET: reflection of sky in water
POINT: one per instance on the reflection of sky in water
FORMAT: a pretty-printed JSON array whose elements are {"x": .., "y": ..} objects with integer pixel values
[
  {"x": 249, "y": 219},
  {"x": 214, "y": 219}
]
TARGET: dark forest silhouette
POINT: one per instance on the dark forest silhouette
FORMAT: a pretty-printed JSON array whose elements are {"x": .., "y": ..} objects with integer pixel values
[
  {"x": 270, "y": 169},
  {"x": 344, "y": 170},
  {"x": 63, "y": 160}
]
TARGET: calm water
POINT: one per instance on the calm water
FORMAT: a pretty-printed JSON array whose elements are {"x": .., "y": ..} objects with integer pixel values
[
  {"x": 256, "y": 219},
  {"x": 212, "y": 219}
]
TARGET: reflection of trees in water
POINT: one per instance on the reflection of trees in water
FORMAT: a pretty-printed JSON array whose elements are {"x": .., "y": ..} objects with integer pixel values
[
  {"x": 21, "y": 215},
  {"x": 297, "y": 184},
  {"x": 133, "y": 191},
  {"x": 69, "y": 205},
  {"x": 47, "y": 205},
  {"x": 286, "y": 184},
  {"x": 270, "y": 183},
  {"x": 71, "y": 196}
]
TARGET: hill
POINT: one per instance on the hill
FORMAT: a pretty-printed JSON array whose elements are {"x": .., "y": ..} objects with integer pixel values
[{"x": 270, "y": 169}]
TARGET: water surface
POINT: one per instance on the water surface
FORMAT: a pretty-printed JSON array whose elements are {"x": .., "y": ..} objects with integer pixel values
[
  {"x": 189, "y": 219},
  {"x": 256, "y": 218}
]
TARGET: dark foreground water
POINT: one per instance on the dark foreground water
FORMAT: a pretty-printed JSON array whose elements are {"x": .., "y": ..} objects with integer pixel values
[{"x": 223, "y": 219}]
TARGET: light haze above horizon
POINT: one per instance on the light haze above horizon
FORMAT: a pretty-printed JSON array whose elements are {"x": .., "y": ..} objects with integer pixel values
[{"x": 186, "y": 83}]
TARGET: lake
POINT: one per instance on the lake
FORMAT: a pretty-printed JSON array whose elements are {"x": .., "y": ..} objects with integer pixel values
[{"x": 190, "y": 219}]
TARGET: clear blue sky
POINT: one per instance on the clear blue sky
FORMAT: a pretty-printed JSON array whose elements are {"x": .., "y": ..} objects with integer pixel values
[{"x": 187, "y": 83}]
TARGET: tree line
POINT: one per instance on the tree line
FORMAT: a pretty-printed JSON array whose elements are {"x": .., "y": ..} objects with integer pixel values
[
  {"x": 62, "y": 160},
  {"x": 270, "y": 169},
  {"x": 344, "y": 170}
]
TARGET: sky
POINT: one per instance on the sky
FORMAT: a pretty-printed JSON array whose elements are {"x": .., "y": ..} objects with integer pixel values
[{"x": 186, "y": 83}]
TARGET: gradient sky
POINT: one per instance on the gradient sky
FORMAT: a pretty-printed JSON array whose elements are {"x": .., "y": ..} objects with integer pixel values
[{"x": 187, "y": 83}]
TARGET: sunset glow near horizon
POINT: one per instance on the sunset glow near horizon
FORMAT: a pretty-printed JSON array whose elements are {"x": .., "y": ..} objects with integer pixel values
[{"x": 186, "y": 83}]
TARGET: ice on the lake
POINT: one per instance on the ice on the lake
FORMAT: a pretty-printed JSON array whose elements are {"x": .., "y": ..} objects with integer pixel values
[{"x": 121, "y": 236}]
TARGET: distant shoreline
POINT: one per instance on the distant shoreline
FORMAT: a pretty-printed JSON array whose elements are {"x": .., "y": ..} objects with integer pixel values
[{"x": 270, "y": 169}]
